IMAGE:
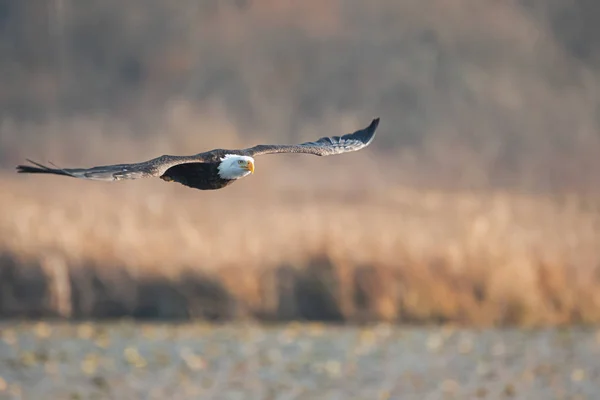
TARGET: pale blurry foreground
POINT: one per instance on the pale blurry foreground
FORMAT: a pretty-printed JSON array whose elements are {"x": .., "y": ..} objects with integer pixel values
[{"x": 294, "y": 362}]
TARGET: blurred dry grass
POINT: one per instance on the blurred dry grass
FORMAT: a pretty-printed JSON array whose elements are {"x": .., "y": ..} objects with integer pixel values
[
  {"x": 150, "y": 249},
  {"x": 477, "y": 203}
]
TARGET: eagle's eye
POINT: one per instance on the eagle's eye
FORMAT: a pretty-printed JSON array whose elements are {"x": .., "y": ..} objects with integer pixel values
[{"x": 240, "y": 162}]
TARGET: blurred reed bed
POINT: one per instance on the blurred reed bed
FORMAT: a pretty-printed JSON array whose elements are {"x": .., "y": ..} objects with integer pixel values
[{"x": 308, "y": 249}]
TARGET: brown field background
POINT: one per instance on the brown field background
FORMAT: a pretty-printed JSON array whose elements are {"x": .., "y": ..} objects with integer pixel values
[{"x": 478, "y": 203}]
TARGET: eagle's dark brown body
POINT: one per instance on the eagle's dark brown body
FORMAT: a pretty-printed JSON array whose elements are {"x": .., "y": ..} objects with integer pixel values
[{"x": 203, "y": 176}]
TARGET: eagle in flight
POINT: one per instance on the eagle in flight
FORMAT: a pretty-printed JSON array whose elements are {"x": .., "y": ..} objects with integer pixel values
[{"x": 213, "y": 169}]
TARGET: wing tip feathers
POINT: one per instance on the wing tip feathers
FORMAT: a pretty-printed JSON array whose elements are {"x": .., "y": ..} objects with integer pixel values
[
  {"x": 40, "y": 168},
  {"x": 374, "y": 124},
  {"x": 28, "y": 168},
  {"x": 370, "y": 131}
]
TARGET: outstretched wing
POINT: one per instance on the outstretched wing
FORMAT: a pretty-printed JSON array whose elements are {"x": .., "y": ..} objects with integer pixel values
[
  {"x": 326, "y": 146},
  {"x": 117, "y": 172}
]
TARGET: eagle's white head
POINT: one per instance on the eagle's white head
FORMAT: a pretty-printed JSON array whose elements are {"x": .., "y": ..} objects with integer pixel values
[{"x": 234, "y": 166}]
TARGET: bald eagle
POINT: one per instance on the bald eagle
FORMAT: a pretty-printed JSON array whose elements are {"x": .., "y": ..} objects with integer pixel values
[{"x": 213, "y": 169}]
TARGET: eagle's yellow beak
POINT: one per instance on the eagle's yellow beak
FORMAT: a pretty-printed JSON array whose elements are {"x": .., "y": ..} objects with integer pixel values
[{"x": 250, "y": 166}]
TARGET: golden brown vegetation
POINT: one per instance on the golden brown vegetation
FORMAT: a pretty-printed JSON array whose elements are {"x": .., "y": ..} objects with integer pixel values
[
  {"x": 257, "y": 250},
  {"x": 477, "y": 203}
]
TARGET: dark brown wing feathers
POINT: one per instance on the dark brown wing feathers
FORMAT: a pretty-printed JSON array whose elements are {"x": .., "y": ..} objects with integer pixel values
[
  {"x": 155, "y": 167},
  {"x": 325, "y": 146}
]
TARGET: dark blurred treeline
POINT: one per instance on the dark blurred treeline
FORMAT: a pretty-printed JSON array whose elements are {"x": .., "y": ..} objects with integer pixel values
[{"x": 508, "y": 77}]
